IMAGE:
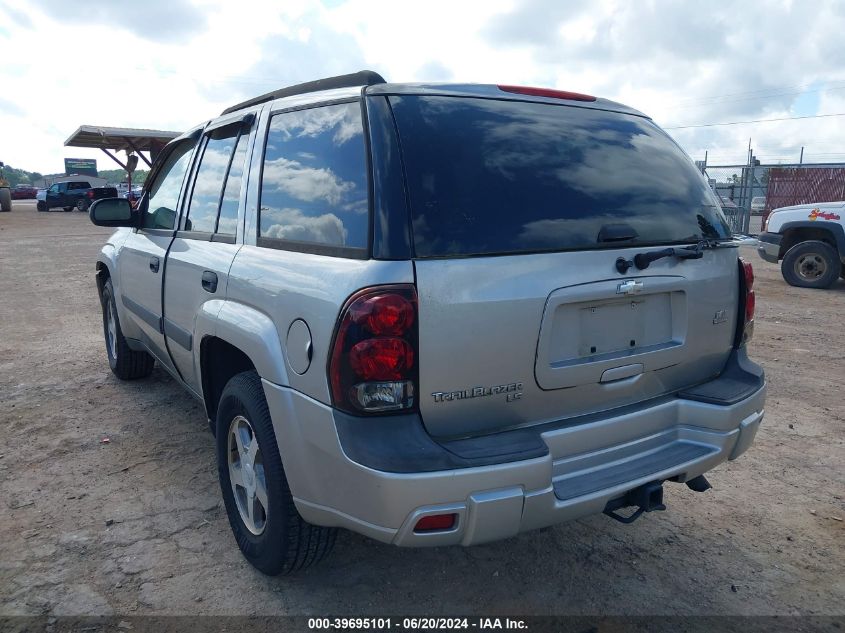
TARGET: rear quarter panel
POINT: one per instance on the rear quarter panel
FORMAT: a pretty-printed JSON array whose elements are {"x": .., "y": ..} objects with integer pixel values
[{"x": 286, "y": 286}]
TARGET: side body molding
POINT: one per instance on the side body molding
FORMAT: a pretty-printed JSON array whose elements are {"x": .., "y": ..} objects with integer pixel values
[{"x": 244, "y": 327}]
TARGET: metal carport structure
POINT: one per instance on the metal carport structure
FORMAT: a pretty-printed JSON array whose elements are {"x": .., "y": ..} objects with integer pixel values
[{"x": 115, "y": 139}]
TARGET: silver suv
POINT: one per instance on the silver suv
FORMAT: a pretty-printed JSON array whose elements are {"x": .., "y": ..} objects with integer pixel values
[{"x": 435, "y": 314}]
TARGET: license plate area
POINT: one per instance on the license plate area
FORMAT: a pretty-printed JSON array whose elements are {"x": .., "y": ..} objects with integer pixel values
[
  {"x": 589, "y": 329},
  {"x": 617, "y": 326}
]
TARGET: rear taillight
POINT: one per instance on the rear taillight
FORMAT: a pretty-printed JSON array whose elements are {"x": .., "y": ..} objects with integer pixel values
[
  {"x": 748, "y": 303},
  {"x": 373, "y": 362},
  {"x": 91, "y": 195},
  {"x": 547, "y": 92}
]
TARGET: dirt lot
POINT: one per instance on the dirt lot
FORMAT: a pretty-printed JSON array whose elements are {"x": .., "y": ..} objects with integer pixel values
[{"x": 136, "y": 525}]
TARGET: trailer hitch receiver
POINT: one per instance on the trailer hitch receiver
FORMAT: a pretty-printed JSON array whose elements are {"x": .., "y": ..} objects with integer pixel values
[{"x": 646, "y": 498}]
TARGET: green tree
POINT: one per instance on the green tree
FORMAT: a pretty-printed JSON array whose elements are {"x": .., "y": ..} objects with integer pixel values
[{"x": 119, "y": 175}]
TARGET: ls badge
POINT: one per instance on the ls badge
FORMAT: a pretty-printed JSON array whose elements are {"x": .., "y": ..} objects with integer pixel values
[{"x": 720, "y": 317}]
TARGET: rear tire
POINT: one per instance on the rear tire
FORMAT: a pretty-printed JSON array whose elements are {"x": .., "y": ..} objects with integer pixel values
[
  {"x": 269, "y": 531},
  {"x": 5, "y": 199},
  {"x": 82, "y": 205},
  {"x": 125, "y": 363},
  {"x": 811, "y": 264}
]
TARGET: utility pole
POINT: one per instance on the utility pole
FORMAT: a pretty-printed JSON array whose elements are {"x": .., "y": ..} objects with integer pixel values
[
  {"x": 801, "y": 159},
  {"x": 748, "y": 190}
]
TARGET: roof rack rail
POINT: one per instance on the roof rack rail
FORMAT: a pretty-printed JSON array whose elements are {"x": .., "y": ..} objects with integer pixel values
[{"x": 361, "y": 78}]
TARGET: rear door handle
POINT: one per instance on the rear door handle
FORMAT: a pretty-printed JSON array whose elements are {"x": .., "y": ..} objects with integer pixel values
[
  {"x": 209, "y": 281},
  {"x": 154, "y": 262}
]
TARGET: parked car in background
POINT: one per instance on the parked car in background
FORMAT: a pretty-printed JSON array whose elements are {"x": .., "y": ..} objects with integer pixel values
[
  {"x": 729, "y": 207},
  {"x": 74, "y": 194},
  {"x": 134, "y": 195},
  {"x": 808, "y": 240},
  {"x": 520, "y": 358},
  {"x": 758, "y": 204},
  {"x": 24, "y": 192},
  {"x": 95, "y": 193}
]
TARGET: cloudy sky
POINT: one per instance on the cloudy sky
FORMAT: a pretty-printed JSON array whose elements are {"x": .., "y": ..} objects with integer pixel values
[{"x": 169, "y": 64}]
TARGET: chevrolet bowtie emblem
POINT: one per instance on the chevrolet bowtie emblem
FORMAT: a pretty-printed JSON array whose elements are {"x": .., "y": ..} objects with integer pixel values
[{"x": 629, "y": 287}]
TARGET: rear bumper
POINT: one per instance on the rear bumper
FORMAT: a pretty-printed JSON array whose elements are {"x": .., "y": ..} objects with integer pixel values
[
  {"x": 579, "y": 468},
  {"x": 768, "y": 246}
]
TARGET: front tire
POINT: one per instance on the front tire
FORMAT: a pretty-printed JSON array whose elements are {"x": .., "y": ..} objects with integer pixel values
[
  {"x": 125, "y": 363},
  {"x": 269, "y": 531},
  {"x": 811, "y": 264},
  {"x": 41, "y": 205}
]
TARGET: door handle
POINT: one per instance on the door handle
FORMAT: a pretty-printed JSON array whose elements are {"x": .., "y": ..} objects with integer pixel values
[
  {"x": 154, "y": 262},
  {"x": 209, "y": 281}
]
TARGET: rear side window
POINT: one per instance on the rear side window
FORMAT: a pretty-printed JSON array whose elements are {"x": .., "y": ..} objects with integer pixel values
[
  {"x": 228, "y": 221},
  {"x": 314, "y": 180},
  {"x": 495, "y": 177},
  {"x": 208, "y": 184},
  {"x": 73, "y": 186}
]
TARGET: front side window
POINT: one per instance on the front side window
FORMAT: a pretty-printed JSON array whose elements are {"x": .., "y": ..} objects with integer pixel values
[
  {"x": 314, "y": 181},
  {"x": 161, "y": 211},
  {"x": 54, "y": 189}
]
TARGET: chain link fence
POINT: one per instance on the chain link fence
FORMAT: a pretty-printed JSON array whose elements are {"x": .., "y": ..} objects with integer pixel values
[
  {"x": 748, "y": 192},
  {"x": 735, "y": 192}
]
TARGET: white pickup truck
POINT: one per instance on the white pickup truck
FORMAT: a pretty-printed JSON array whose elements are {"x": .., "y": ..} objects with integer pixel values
[{"x": 809, "y": 239}]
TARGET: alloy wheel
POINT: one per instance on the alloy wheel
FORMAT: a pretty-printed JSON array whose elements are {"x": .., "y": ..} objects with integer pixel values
[{"x": 246, "y": 474}]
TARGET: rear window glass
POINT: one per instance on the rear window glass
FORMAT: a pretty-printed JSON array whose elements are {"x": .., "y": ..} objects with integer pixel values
[{"x": 494, "y": 177}]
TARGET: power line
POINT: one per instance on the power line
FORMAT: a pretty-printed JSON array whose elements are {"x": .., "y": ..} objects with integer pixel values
[
  {"x": 722, "y": 99},
  {"x": 773, "y": 95},
  {"x": 789, "y": 118},
  {"x": 758, "y": 91}
]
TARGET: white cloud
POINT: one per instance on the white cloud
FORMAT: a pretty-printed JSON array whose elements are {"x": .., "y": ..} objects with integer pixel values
[
  {"x": 171, "y": 65},
  {"x": 304, "y": 183},
  {"x": 292, "y": 224}
]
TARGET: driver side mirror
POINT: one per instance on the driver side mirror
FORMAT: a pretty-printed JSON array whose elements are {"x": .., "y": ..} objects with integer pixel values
[{"x": 112, "y": 212}]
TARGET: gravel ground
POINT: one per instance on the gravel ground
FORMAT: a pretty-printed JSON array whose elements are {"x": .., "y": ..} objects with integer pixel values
[{"x": 136, "y": 525}]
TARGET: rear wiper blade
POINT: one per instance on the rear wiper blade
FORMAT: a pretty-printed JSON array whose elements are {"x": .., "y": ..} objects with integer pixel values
[
  {"x": 709, "y": 242},
  {"x": 643, "y": 260}
]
